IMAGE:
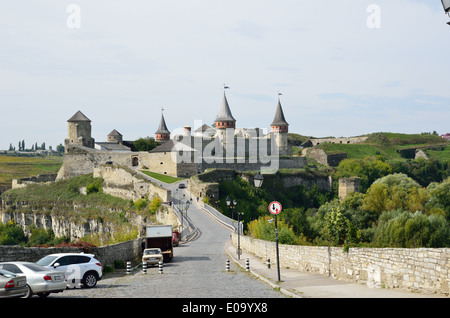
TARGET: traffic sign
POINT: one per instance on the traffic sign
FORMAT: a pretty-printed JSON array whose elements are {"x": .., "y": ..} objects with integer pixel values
[{"x": 275, "y": 207}]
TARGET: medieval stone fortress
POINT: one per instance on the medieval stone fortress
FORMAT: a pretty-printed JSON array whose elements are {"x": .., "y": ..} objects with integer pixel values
[{"x": 224, "y": 147}]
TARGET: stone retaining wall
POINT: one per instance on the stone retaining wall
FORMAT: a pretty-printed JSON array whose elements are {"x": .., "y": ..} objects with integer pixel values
[
  {"x": 126, "y": 251},
  {"x": 424, "y": 270}
]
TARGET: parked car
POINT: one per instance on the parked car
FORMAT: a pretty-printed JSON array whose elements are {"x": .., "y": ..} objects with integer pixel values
[
  {"x": 181, "y": 186},
  {"x": 12, "y": 285},
  {"x": 152, "y": 255},
  {"x": 40, "y": 281},
  {"x": 78, "y": 267},
  {"x": 175, "y": 238}
]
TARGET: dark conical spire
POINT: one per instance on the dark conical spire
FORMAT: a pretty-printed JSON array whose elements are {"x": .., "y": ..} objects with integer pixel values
[
  {"x": 225, "y": 112},
  {"x": 162, "y": 129},
  {"x": 279, "y": 119}
]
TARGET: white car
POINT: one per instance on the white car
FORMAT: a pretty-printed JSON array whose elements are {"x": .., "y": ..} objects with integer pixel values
[
  {"x": 40, "y": 281},
  {"x": 79, "y": 268},
  {"x": 152, "y": 256}
]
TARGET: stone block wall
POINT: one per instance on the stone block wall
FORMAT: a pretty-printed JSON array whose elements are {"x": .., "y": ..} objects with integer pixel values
[
  {"x": 424, "y": 270},
  {"x": 129, "y": 184},
  {"x": 348, "y": 185},
  {"x": 45, "y": 178},
  {"x": 326, "y": 159},
  {"x": 126, "y": 251}
]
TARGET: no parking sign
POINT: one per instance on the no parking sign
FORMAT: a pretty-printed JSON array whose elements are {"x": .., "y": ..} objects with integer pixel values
[{"x": 275, "y": 207}]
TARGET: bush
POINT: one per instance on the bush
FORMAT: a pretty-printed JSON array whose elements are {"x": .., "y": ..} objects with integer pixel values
[
  {"x": 95, "y": 186},
  {"x": 155, "y": 204},
  {"x": 262, "y": 229},
  {"x": 140, "y": 203},
  {"x": 11, "y": 234},
  {"x": 410, "y": 230},
  {"x": 395, "y": 191}
]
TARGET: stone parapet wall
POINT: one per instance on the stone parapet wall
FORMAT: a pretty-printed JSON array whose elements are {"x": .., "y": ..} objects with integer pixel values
[
  {"x": 424, "y": 270},
  {"x": 126, "y": 251}
]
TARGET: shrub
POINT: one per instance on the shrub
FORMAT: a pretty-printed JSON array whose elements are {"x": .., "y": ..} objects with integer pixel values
[
  {"x": 11, "y": 234},
  {"x": 155, "y": 204},
  {"x": 262, "y": 229},
  {"x": 405, "y": 229},
  {"x": 95, "y": 186}
]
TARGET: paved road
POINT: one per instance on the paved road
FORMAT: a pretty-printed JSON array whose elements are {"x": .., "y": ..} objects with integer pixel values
[{"x": 196, "y": 271}]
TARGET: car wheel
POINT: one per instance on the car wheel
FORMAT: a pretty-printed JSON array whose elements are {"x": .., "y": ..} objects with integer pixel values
[
  {"x": 90, "y": 280},
  {"x": 29, "y": 292}
]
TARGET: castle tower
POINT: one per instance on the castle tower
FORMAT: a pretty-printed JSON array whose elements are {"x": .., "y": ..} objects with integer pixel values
[
  {"x": 225, "y": 119},
  {"x": 115, "y": 137},
  {"x": 79, "y": 132},
  {"x": 162, "y": 134},
  {"x": 279, "y": 130}
]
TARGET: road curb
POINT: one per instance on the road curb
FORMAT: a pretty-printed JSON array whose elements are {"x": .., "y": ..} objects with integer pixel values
[{"x": 272, "y": 284}]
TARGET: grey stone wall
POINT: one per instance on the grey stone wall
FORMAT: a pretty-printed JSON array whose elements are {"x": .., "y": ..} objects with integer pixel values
[
  {"x": 126, "y": 251},
  {"x": 424, "y": 270},
  {"x": 326, "y": 159},
  {"x": 83, "y": 161}
]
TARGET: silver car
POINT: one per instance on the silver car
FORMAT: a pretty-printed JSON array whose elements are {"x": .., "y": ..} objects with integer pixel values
[
  {"x": 12, "y": 285},
  {"x": 41, "y": 281}
]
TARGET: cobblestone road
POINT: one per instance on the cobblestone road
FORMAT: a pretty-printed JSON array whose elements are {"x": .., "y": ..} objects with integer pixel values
[{"x": 196, "y": 271}]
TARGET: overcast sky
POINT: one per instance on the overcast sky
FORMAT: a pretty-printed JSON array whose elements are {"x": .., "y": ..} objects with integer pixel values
[{"x": 345, "y": 68}]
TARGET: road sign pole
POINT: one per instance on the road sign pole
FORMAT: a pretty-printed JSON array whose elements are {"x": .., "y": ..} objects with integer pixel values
[
  {"x": 276, "y": 243},
  {"x": 275, "y": 208}
]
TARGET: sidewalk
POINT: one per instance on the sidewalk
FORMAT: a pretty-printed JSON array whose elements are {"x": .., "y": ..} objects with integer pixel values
[{"x": 307, "y": 285}]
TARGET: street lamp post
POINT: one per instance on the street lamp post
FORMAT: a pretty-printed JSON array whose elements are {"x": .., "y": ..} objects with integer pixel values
[{"x": 239, "y": 235}]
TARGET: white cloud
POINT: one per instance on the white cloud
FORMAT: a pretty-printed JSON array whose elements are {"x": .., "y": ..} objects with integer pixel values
[{"x": 129, "y": 59}]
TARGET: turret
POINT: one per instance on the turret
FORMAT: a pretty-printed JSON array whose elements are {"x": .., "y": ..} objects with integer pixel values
[
  {"x": 225, "y": 119},
  {"x": 279, "y": 130},
  {"x": 162, "y": 134},
  {"x": 115, "y": 137},
  {"x": 79, "y": 132}
]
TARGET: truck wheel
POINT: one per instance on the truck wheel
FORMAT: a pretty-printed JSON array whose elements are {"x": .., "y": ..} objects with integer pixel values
[{"x": 90, "y": 279}]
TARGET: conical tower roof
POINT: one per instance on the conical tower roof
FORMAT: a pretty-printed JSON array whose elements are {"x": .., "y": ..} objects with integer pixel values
[
  {"x": 114, "y": 133},
  {"x": 162, "y": 129},
  {"x": 279, "y": 119},
  {"x": 79, "y": 116},
  {"x": 225, "y": 112}
]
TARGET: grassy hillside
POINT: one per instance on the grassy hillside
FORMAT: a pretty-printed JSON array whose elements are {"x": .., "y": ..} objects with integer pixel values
[
  {"x": 389, "y": 145},
  {"x": 14, "y": 167}
]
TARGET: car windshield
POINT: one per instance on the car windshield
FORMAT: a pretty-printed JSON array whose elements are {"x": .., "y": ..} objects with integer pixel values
[
  {"x": 151, "y": 252},
  {"x": 45, "y": 261},
  {"x": 7, "y": 274}
]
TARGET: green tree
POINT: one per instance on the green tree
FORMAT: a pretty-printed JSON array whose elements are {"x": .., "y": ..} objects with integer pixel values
[
  {"x": 440, "y": 197},
  {"x": 60, "y": 148},
  {"x": 145, "y": 144},
  {"x": 367, "y": 169},
  {"x": 395, "y": 191},
  {"x": 11, "y": 234},
  {"x": 404, "y": 229},
  {"x": 262, "y": 229},
  {"x": 40, "y": 236}
]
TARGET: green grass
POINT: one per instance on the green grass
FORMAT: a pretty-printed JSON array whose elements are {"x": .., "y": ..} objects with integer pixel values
[
  {"x": 161, "y": 177},
  {"x": 388, "y": 144},
  {"x": 15, "y": 167},
  {"x": 64, "y": 198},
  {"x": 441, "y": 155}
]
